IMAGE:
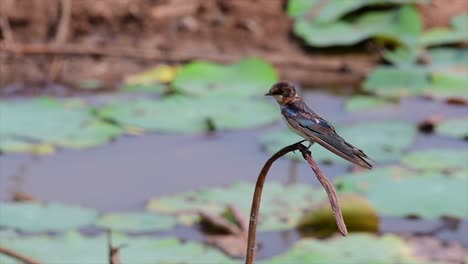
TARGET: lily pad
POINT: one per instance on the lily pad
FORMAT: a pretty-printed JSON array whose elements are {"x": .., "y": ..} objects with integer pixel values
[
  {"x": 382, "y": 141},
  {"x": 358, "y": 214},
  {"x": 456, "y": 127},
  {"x": 246, "y": 78},
  {"x": 152, "y": 80},
  {"x": 399, "y": 192},
  {"x": 359, "y": 103},
  {"x": 441, "y": 36},
  {"x": 356, "y": 248},
  {"x": 39, "y": 217},
  {"x": 83, "y": 249},
  {"x": 456, "y": 58},
  {"x": 397, "y": 82},
  {"x": 185, "y": 114},
  {"x": 48, "y": 121},
  {"x": 278, "y": 211},
  {"x": 437, "y": 159},
  {"x": 136, "y": 221},
  {"x": 448, "y": 86},
  {"x": 19, "y": 146},
  {"x": 401, "y": 25}
]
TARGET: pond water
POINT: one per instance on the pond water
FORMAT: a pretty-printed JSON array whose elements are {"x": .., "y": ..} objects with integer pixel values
[{"x": 126, "y": 173}]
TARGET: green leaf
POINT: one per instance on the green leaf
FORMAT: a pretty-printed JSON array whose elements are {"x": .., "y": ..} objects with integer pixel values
[
  {"x": 437, "y": 159},
  {"x": 19, "y": 146},
  {"x": 68, "y": 123},
  {"x": 382, "y": 141},
  {"x": 401, "y": 25},
  {"x": 151, "y": 80},
  {"x": 447, "y": 86},
  {"x": 75, "y": 248},
  {"x": 402, "y": 56},
  {"x": 39, "y": 217},
  {"x": 279, "y": 211},
  {"x": 356, "y": 248},
  {"x": 188, "y": 115},
  {"x": 399, "y": 192},
  {"x": 245, "y": 78},
  {"x": 455, "y": 59},
  {"x": 442, "y": 36},
  {"x": 396, "y": 82},
  {"x": 136, "y": 221},
  {"x": 360, "y": 103},
  {"x": 456, "y": 127},
  {"x": 298, "y": 8}
]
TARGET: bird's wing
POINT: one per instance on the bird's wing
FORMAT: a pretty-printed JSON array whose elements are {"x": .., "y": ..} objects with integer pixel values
[{"x": 319, "y": 130}]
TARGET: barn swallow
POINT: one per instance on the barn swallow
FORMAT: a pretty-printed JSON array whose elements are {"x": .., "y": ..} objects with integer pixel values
[{"x": 307, "y": 124}]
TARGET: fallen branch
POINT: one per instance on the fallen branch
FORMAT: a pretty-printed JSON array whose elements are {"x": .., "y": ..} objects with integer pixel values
[
  {"x": 18, "y": 256},
  {"x": 328, "y": 186}
]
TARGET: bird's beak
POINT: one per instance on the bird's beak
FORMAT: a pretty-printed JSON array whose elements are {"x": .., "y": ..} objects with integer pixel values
[{"x": 268, "y": 94}]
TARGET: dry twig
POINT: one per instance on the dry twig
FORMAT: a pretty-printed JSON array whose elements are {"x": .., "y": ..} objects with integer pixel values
[
  {"x": 251, "y": 245},
  {"x": 18, "y": 256}
]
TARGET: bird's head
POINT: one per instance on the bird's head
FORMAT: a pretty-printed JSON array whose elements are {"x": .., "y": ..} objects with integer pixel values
[{"x": 283, "y": 91}]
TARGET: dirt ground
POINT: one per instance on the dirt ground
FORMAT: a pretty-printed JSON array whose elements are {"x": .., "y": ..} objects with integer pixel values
[{"x": 45, "y": 42}]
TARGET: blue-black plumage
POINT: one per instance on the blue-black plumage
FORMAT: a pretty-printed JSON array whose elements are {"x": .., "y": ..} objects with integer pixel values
[{"x": 306, "y": 123}]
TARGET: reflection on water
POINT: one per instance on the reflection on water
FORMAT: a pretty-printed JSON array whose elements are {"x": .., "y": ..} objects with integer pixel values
[{"x": 125, "y": 174}]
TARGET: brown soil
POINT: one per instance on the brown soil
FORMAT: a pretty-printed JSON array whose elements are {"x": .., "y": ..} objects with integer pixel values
[{"x": 65, "y": 41}]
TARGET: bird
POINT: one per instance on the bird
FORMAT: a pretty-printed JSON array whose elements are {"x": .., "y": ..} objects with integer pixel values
[{"x": 307, "y": 124}]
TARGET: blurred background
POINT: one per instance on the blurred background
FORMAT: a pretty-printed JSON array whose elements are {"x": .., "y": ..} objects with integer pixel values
[{"x": 146, "y": 120}]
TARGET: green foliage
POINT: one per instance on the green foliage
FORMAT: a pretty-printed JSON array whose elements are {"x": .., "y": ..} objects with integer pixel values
[
  {"x": 356, "y": 248},
  {"x": 358, "y": 103},
  {"x": 246, "y": 78},
  {"x": 282, "y": 206},
  {"x": 399, "y": 192},
  {"x": 75, "y": 248},
  {"x": 136, "y": 221},
  {"x": 382, "y": 141},
  {"x": 48, "y": 121},
  {"x": 437, "y": 159},
  {"x": 183, "y": 114},
  {"x": 39, "y": 217},
  {"x": 456, "y": 127},
  {"x": 442, "y": 36}
]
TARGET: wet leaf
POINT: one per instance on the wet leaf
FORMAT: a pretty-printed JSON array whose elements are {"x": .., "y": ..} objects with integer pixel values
[
  {"x": 40, "y": 217},
  {"x": 358, "y": 213},
  {"x": 456, "y": 58},
  {"x": 437, "y": 159},
  {"x": 19, "y": 146},
  {"x": 136, "y": 221},
  {"x": 73, "y": 247},
  {"x": 382, "y": 141},
  {"x": 396, "y": 82},
  {"x": 447, "y": 86},
  {"x": 279, "y": 211},
  {"x": 440, "y": 36},
  {"x": 185, "y": 114},
  {"x": 399, "y": 192},
  {"x": 456, "y": 127},
  {"x": 359, "y": 103},
  {"x": 48, "y": 121},
  {"x": 401, "y": 25},
  {"x": 356, "y": 248},
  {"x": 245, "y": 78}
]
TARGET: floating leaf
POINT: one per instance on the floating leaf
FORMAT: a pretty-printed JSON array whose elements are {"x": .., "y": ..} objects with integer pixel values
[
  {"x": 184, "y": 114},
  {"x": 447, "y": 86},
  {"x": 396, "y": 82},
  {"x": 382, "y": 141},
  {"x": 399, "y": 192},
  {"x": 358, "y": 213},
  {"x": 440, "y": 36},
  {"x": 402, "y": 56},
  {"x": 361, "y": 103},
  {"x": 136, "y": 221},
  {"x": 73, "y": 247},
  {"x": 39, "y": 217},
  {"x": 456, "y": 58},
  {"x": 19, "y": 146},
  {"x": 48, "y": 121},
  {"x": 152, "y": 80},
  {"x": 245, "y": 78},
  {"x": 356, "y": 248},
  {"x": 400, "y": 25},
  {"x": 279, "y": 211},
  {"x": 457, "y": 127},
  {"x": 437, "y": 159}
]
